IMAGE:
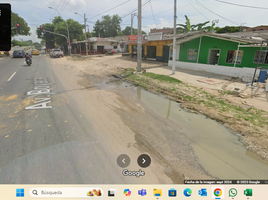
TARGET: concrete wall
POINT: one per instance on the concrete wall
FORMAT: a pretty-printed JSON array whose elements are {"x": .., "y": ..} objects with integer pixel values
[
  {"x": 107, "y": 45},
  {"x": 216, "y": 69}
]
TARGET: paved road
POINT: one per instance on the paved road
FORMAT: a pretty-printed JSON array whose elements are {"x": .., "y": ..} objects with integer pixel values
[{"x": 47, "y": 145}]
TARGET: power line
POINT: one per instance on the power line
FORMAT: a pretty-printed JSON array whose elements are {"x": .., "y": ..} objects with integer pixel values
[
  {"x": 163, "y": 12},
  {"x": 172, "y": 9},
  {"x": 64, "y": 3},
  {"x": 144, "y": 4},
  {"x": 152, "y": 12},
  {"x": 110, "y": 9},
  {"x": 198, "y": 10},
  {"x": 216, "y": 13},
  {"x": 241, "y": 5},
  {"x": 55, "y": 10},
  {"x": 65, "y": 6}
]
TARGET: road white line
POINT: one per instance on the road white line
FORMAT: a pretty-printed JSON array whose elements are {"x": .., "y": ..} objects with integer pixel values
[{"x": 11, "y": 76}]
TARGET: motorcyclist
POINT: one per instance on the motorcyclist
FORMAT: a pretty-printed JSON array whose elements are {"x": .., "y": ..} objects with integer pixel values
[{"x": 28, "y": 56}]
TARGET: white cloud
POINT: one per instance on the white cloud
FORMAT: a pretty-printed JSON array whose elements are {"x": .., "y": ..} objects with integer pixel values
[
  {"x": 36, "y": 12},
  {"x": 32, "y": 37}
]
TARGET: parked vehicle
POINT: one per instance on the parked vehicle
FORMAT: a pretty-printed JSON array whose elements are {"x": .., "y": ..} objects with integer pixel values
[
  {"x": 18, "y": 54},
  {"x": 56, "y": 53}
]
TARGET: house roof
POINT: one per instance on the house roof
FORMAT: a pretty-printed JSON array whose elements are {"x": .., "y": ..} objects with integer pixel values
[
  {"x": 185, "y": 37},
  {"x": 262, "y": 34},
  {"x": 118, "y": 38}
]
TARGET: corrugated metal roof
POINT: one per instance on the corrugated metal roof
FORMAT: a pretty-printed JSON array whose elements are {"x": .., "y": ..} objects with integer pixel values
[{"x": 185, "y": 37}]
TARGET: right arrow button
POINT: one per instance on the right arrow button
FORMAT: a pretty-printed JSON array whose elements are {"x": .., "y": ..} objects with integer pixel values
[{"x": 144, "y": 160}]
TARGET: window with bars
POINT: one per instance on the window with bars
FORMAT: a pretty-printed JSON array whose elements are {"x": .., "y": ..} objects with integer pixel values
[
  {"x": 192, "y": 54},
  {"x": 231, "y": 55},
  {"x": 263, "y": 55}
]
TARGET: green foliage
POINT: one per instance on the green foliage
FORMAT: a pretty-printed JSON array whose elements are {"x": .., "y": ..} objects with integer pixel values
[
  {"x": 228, "y": 29},
  {"x": 75, "y": 31},
  {"x": 57, "y": 19},
  {"x": 24, "y": 28},
  {"x": 37, "y": 45},
  {"x": 217, "y": 29},
  {"x": 120, "y": 34},
  {"x": 127, "y": 31},
  {"x": 184, "y": 28},
  {"x": 108, "y": 27},
  {"x": 58, "y": 25},
  {"x": 19, "y": 43},
  {"x": 161, "y": 77},
  {"x": 47, "y": 36}
]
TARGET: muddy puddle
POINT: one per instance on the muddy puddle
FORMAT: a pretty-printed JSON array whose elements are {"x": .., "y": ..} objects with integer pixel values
[{"x": 218, "y": 150}]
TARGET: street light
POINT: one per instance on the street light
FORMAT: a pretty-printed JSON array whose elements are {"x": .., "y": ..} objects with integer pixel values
[
  {"x": 67, "y": 29},
  {"x": 85, "y": 22}
]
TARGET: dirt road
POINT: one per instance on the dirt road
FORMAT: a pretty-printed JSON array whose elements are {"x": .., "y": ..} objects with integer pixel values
[{"x": 123, "y": 122}]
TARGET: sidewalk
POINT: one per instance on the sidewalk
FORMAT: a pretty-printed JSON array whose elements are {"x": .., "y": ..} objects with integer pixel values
[{"x": 215, "y": 83}]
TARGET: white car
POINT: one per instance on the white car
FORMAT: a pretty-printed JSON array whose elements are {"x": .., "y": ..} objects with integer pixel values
[{"x": 56, "y": 53}]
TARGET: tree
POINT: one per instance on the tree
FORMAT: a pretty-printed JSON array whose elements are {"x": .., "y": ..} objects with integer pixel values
[
  {"x": 58, "y": 25},
  {"x": 127, "y": 31},
  {"x": 19, "y": 43},
  {"x": 120, "y": 33},
  {"x": 108, "y": 27},
  {"x": 200, "y": 26},
  {"x": 36, "y": 44},
  {"x": 46, "y": 35},
  {"x": 228, "y": 29},
  {"x": 75, "y": 31},
  {"x": 24, "y": 28},
  {"x": 57, "y": 19},
  {"x": 184, "y": 27},
  {"x": 188, "y": 27}
]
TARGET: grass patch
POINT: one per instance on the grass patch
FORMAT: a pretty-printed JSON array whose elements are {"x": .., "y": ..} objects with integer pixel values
[{"x": 162, "y": 78}]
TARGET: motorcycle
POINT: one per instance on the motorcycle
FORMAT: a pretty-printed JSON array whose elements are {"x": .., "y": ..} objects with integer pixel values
[{"x": 28, "y": 61}]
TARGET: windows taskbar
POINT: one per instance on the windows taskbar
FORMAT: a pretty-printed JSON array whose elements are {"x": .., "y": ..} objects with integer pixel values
[{"x": 190, "y": 191}]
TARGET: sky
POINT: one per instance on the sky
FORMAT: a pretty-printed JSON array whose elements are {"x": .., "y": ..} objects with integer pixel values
[{"x": 156, "y": 14}]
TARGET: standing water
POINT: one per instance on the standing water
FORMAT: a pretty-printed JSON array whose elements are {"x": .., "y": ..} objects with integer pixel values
[{"x": 218, "y": 150}]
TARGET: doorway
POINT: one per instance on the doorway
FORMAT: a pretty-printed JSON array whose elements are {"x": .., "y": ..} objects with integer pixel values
[
  {"x": 100, "y": 49},
  {"x": 165, "y": 54},
  {"x": 213, "y": 57},
  {"x": 151, "y": 51}
]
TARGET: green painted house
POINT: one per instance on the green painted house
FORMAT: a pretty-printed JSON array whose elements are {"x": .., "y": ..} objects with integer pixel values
[{"x": 219, "y": 53}]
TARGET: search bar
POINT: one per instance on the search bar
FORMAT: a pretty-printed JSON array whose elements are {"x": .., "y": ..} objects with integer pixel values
[{"x": 53, "y": 192}]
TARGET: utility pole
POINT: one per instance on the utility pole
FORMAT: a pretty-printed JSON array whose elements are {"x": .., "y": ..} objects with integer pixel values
[
  {"x": 85, "y": 19},
  {"x": 132, "y": 16},
  {"x": 131, "y": 23},
  {"x": 139, "y": 38},
  {"x": 174, "y": 37}
]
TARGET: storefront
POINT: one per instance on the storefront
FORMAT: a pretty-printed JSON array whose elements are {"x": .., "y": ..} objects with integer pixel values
[
  {"x": 154, "y": 46},
  {"x": 95, "y": 46}
]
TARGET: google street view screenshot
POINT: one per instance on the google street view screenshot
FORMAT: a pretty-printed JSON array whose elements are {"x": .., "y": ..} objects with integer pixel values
[{"x": 133, "y": 99}]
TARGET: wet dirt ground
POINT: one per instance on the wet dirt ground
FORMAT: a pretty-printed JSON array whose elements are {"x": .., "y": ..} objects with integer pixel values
[{"x": 185, "y": 146}]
